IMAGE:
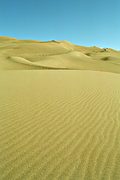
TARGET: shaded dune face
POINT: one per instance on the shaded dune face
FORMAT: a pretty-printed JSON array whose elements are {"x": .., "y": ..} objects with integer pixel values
[
  {"x": 29, "y": 54},
  {"x": 59, "y": 125}
]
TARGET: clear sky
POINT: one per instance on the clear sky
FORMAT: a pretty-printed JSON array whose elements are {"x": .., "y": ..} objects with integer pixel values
[{"x": 84, "y": 22}]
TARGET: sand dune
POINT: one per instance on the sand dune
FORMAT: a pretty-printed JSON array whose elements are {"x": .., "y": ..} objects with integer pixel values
[
  {"x": 61, "y": 124},
  {"x": 55, "y": 55}
]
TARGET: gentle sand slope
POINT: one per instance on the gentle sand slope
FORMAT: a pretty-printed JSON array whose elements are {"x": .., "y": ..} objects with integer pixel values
[
  {"x": 27, "y": 54},
  {"x": 59, "y": 125}
]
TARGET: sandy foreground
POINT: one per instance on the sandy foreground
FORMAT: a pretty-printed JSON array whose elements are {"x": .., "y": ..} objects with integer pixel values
[{"x": 59, "y": 125}]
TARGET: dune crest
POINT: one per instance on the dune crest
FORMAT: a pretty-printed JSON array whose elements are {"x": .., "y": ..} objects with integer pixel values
[{"x": 32, "y": 54}]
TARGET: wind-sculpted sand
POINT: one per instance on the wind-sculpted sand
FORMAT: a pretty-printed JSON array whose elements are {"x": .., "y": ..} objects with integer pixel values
[
  {"x": 27, "y": 54},
  {"x": 59, "y": 111},
  {"x": 59, "y": 125}
]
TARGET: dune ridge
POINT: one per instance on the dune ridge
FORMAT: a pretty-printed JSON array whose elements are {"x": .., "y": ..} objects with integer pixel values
[{"x": 55, "y": 55}]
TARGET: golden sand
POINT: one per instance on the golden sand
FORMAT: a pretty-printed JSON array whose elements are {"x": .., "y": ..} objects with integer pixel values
[
  {"x": 59, "y": 124},
  {"x": 28, "y": 54}
]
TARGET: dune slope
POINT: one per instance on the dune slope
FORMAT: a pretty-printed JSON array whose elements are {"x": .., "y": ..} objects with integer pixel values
[
  {"x": 28, "y": 54},
  {"x": 59, "y": 125}
]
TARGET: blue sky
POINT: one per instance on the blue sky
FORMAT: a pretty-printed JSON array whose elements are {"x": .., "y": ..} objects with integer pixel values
[{"x": 83, "y": 22}]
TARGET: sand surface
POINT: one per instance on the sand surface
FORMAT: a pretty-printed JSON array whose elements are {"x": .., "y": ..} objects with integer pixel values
[
  {"x": 27, "y": 54},
  {"x": 59, "y": 124}
]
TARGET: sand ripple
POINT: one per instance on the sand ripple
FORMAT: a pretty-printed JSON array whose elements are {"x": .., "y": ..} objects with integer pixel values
[{"x": 59, "y": 125}]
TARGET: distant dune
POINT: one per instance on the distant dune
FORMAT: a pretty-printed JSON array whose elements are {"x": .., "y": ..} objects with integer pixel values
[
  {"x": 29, "y": 54},
  {"x": 62, "y": 123}
]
